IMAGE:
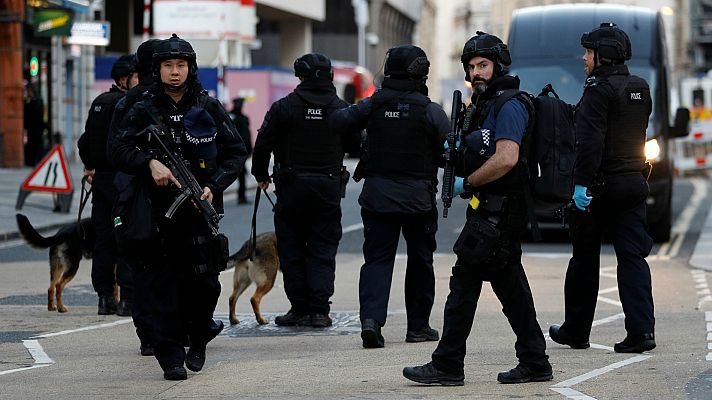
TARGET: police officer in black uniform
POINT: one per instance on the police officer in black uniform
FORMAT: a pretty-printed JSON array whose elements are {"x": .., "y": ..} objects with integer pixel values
[
  {"x": 92, "y": 151},
  {"x": 242, "y": 124},
  {"x": 139, "y": 310},
  {"x": 609, "y": 194},
  {"x": 181, "y": 276},
  {"x": 400, "y": 159},
  {"x": 489, "y": 247},
  {"x": 310, "y": 182}
]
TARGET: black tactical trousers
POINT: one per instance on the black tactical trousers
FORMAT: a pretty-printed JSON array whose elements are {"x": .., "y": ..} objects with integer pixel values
[
  {"x": 180, "y": 302},
  {"x": 104, "y": 257},
  {"x": 307, "y": 221},
  {"x": 511, "y": 287},
  {"x": 619, "y": 213},
  {"x": 381, "y": 233}
]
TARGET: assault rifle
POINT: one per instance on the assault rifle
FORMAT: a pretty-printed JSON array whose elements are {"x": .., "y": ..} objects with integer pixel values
[
  {"x": 189, "y": 186},
  {"x": 453, "y": 140}
]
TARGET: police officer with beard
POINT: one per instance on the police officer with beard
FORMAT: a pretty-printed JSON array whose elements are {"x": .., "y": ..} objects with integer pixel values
[
  {"x": 489, "y": 247},
  {"x": 400, "y": 159},
  {"x": 100, "y": 172},
  {"x": 139, "y": 310},
  {"x": 310, "y": 182},
  {"x": 610, "y": 178},
  {"x": 181, "y": 274}
]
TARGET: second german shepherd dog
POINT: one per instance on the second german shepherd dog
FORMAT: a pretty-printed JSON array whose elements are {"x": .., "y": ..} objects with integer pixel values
[
  {"x": 66, "y": 249},
  {"x": 262, "y": 270}
]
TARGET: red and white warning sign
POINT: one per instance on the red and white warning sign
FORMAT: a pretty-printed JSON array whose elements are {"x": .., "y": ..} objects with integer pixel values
[{"x": 51, "y": 174}]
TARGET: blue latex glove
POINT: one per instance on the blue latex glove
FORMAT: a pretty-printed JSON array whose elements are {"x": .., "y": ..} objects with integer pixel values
[
  {"x": 447, "y": 146},
  {"x": 581, "y": 199},
  {"x": 459, "y": 186}
]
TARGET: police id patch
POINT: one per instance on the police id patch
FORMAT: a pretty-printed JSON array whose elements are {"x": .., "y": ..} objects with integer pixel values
[
  {"x": 635, "y": 96},
  {"x": 402, "y": 111},
  {"x": 314, "y": 114}
]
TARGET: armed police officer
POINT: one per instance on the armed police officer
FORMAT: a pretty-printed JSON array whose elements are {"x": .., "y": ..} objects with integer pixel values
[
  {"x": 310, "y": 182},
  {"x": 400, "y": 159},
  {"x": 183, "y": 264},
  {"x": 139, "y": 310},
  {"x": 107, "y": 269},
  {"x": 610, "y": 178},
  {"x": 489, "y": 246}
]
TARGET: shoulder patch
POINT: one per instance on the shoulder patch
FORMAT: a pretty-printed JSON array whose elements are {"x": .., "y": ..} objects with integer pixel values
[{"x": 591, "y": 81}]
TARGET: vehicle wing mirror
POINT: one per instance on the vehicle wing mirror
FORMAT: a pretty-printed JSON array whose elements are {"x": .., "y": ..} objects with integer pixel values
[{"x": 682, "y": 123}]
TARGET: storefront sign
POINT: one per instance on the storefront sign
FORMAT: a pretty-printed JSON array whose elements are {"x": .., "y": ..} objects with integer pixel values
[{"x": 90, "y": 33}]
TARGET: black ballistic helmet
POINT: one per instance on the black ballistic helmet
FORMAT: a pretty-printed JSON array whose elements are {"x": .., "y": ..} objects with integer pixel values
[
  {"x": 406, "y": 62},
  {"x": 313, "y": 65},
  {"x": 490, "y": 47},
  {"x": 174, "y": 48},
  {"x": 124, "y": 66},
  {"x": 610, "y": 42},
  {"x": 144, "y": 55}
]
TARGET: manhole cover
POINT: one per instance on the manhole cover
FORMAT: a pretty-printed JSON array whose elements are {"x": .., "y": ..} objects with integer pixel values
[{"x": 344, "y": 323}]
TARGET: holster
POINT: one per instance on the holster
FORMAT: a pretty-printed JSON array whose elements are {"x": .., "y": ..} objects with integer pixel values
[{"x": 345, "y": 175}]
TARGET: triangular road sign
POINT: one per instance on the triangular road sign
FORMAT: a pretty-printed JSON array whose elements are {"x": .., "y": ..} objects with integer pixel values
[{"x": 51, "y": 174}]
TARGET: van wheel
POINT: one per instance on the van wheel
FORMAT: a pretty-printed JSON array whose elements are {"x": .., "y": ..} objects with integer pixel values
[{"x": 660, "y": 231}]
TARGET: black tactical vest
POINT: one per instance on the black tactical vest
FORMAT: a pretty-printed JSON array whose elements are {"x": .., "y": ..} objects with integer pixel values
[
  {"x": 512, "y": 183},
  {"x": 628, "y": 112},
  {"x": 310, "y": 146},
  {"x": 397, "y": 143},
  {"x": 97, "y": 128}
]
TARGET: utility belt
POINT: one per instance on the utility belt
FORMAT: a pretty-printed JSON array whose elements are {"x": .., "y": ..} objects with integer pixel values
[
  {"x": 483, "y": 244},
  {"x": 286, "y": 175}
]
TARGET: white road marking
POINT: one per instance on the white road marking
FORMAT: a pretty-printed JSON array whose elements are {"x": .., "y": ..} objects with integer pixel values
[
  {"x": 85, "y": 328},
  {"x": 10, "y": 371},
  {"x": 600, "y": 371},
  {"x": 684, "y": 220},
  {"x": 572, "y": 394},
  {"x": 609, "y": 290},
  {"x": 37, "y": 352},
  {"x": 609, "y": 301},
  {"x": 352, "y": 228},
  {"x": 602, "y": 347},
  {"x": 606, "y": 320}
]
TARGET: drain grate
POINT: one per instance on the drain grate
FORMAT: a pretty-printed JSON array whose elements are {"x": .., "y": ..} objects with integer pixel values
[{"x": 344, "y": 323}]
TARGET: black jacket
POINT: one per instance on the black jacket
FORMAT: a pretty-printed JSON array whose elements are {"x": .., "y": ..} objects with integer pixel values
[
  {"x": 92, "y": 143},
  {"x": 278, "y": 124},
  {"x": 131, "y": 151},
  {"x": 610, "y": 125},
  {"x": 384, "y": 194}
]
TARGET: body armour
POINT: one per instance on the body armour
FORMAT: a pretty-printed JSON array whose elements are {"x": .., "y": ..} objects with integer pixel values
[
  {"x": 397, "y": 143},
  {"x": 484, "y": 142},
  {"x": 92, "y": 144},
  {"x": 627, "y": 121},
  {"x": 310, "y": 145}
]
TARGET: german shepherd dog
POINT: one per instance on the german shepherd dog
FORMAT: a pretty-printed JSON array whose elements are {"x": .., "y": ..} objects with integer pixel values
[
  {"x": 66, "y": 249},
  {"x": 262, "y": 271}
]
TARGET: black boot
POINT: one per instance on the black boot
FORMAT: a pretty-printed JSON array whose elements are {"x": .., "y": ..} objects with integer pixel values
[
  {"x": 636, "y": 343},
  {"x": 562, "y": 337},
  {"x": 175, "y": 374},
  {"x": 293, "y": 319},
  {"x": 195, "y": 358},
  {"x": 124, "y": 308},
  {"x": 426, "y": 334},
  {"x": 522, "y": 374},
  {"x": 107, "y": 305},
  {"x": 320, "y": 320},
  {"x": 428, "y": 374},
  {"x": 371, "y": 334}
]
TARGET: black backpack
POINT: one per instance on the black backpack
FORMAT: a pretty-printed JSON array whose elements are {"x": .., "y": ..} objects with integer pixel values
[{"x": 547, "y": 155}]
